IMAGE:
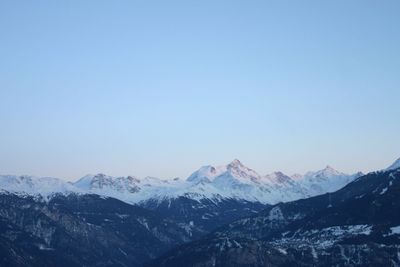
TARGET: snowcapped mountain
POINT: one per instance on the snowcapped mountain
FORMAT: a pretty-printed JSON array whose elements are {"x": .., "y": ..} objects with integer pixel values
[
  {"x": 394, "y": 166},
  {"x": 129, "y": 189},
  {"x": 238, "y": 181},
  {"x": 205, "y": 174},
  {"x": 231, "y": 181},
  {"x": 325, "y": 180},
  {"x": 104, "y": 185},
  {"x": 31, "y": 185}
]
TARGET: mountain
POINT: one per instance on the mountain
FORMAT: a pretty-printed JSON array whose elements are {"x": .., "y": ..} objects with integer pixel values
[
  {"x": 237, "y": 181},
  {"x": 103, "y": 182},
  {"x": 123, "y": 188},
  {"x": 358, "y": 225},
  {"x": 395, "y": 165},
  {"x": 325, "y": 180},
  {"x": 35, "y": 186},
  {"x": 82, "y": 230}
]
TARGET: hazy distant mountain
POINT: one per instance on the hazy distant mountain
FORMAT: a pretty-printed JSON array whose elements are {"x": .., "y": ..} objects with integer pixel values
[
  {"x": 395, "y": 165},
  {"x": 325, "y": 180},
  {"x": 36, "y": 186},
  {"x": 232, "y": 181}
]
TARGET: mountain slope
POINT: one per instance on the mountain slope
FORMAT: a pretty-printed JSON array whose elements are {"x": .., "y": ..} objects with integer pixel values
[
  {"x": 203, "y": 215},
  {"x": 81, "y": 230},
  {"x": 325, "y": 180},
  {"x": 394, "y": 165}
]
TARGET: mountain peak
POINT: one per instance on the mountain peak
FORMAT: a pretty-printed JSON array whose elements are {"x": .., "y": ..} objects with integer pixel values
[
  {"x": 328, "y": 170},
  {"x": 204, "y": 174},
  {"x": 235, "y": 162},
  {"x": 329, "y": 167},
  {"x": 239, "y": 171}
]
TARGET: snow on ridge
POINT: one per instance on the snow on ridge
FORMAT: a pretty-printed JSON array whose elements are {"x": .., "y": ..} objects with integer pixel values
[
  {"x": 234, "y": 181},
  {"x": 31, "y": 185},
  {"x": 394, "y": 166},
  {"x": 395, "y": 230},
  {"x": 325, "y": 180}
]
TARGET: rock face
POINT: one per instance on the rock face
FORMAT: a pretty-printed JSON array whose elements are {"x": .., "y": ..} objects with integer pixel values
[
  {"x": 83, "y": 230},
  {"x": 358, "y": 225}
]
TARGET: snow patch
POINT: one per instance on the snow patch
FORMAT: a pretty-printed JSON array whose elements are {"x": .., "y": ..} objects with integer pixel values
[
  {"x": 283, "y": 251},
  {"x": 383, "y": 191},
  {"x": 394, "y": 166},
  {"x": 395, "y": 230},
  {"x": 275, "y": 214}
]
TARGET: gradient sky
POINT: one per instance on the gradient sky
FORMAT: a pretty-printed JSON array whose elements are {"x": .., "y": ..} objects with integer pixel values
[{"x": 160, "y": 88}]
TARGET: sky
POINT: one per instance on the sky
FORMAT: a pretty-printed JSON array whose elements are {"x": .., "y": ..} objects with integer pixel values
[{"x": 160, "y": 88}]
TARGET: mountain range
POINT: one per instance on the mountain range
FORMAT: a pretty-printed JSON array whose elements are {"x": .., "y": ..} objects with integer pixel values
[
  {"x": 231, "y": 181},
  {"x": 219, "y": 216}
]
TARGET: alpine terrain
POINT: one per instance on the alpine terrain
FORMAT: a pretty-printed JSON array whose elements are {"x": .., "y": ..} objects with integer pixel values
[{"x": 219, "y": 216}]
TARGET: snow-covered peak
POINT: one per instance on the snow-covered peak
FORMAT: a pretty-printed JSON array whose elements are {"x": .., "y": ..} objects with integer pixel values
[
  {"x": 240, "y": 171},
  {"x": 394, "y": 166},
  {"x": 325, "y": 174},
  {"x": 31, "y": 185},
  {"x": 325, "y": 180},
  {"x": 328, "y": 171},
  {"x": 235, "y": 180},
  {"x": 234, "y": 170},
  {"x": 235, "y": 163},
  {"x": 205, "y": 174},
  {"x": 102, "y": 182}
]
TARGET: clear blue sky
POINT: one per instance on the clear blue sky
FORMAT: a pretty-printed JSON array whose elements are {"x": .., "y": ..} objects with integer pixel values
[{"x": 162, "y": 87}]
